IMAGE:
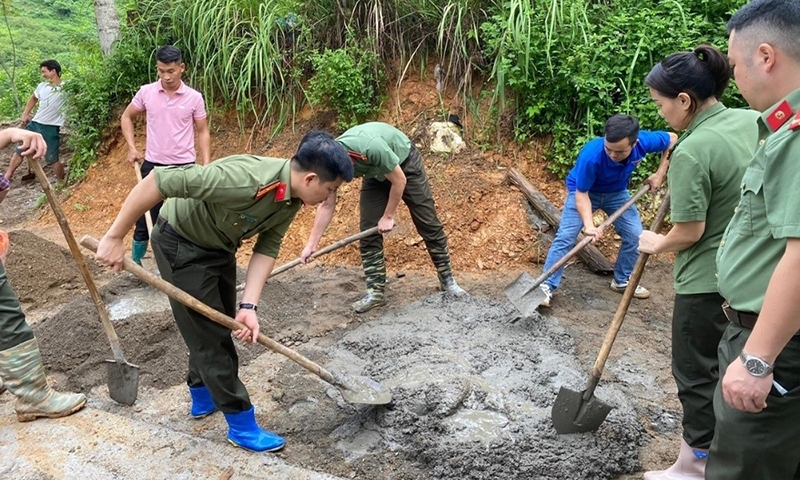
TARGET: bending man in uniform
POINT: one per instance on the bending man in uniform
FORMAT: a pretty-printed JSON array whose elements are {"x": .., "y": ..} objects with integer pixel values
[
  {"x": 599, "y": 181},
  {"x": 392, "y": 170},
  {"x": 21, "y": 367},
  {"x": 208, "y": 212},
  {"x": 174, "y": 111}
]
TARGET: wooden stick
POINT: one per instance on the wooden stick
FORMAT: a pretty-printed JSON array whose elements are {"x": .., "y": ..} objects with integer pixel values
[
  {"x": 334, "y": 246},
  {"x": 78, "y": 256}
]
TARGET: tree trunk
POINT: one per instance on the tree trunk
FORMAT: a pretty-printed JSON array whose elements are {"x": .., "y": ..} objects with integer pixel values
[
  {"x": 591, "y": 256},
  {"x": 105, "y": 12}
]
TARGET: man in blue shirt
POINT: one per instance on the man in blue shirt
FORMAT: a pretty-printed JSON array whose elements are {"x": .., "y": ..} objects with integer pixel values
[{"x": 599, "y": 181}]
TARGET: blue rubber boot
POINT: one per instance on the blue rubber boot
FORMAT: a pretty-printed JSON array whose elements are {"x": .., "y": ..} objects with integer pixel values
[
  {"x": 244, "y": 432},
  {"x": 138, "y": 250},
  {"x": 202, "y": 405}
]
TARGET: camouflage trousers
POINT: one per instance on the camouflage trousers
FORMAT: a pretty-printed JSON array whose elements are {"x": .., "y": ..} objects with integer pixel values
[{"x": 418, "y": 198}]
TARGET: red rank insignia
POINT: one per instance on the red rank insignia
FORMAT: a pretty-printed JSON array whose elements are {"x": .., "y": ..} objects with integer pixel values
[
  {"x": 280, "y": 193},
  {"x": 357, "y": 157},
  {"x": 265, "y": 189},
  {"x": 795, "y": 123},
  {"x": 780, "y": 115}
]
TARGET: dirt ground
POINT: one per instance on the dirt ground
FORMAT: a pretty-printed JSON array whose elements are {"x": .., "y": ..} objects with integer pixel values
[{"x": 307, "y": 308}]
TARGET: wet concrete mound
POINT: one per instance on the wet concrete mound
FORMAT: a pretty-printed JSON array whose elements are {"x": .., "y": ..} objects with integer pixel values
[
  {"x": 75, "y": 347},
  {"x": 472, "y": 395}
]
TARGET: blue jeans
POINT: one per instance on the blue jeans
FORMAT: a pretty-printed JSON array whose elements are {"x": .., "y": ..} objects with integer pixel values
[{"x": 628, "y": 226}]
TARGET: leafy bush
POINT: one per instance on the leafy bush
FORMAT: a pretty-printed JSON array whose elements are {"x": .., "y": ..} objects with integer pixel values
[
  {"x": 348, "y": 81},
  {"x": 571, "y": 64},
  {"x": 98, "y": 89}
]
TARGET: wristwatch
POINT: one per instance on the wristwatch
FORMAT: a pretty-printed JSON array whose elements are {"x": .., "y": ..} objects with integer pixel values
[
  {"x": 755, "y": 366},
  {"x": 248, "y": 306}
]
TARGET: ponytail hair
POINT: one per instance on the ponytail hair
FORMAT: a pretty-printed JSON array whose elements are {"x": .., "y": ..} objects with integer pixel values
[{"x": 702, "y": 73}]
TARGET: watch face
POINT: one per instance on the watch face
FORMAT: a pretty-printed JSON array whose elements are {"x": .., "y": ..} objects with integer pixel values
[{"x": 755, "y": 366}]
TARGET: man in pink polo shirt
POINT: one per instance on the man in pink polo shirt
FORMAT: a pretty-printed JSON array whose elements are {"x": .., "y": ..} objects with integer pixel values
[{"x": 174, "y": 111}]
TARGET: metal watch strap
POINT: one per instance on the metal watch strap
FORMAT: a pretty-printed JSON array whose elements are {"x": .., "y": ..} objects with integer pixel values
[
  {"x": 758, "y": 362},
  {"x": 248, "y": 306}
]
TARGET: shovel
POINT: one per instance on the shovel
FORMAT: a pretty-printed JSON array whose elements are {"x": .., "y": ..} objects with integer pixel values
[
  {"x": 123, "y": 377},
  {"x": 523, "y": 291},
  {"x": 576, "y": 412},
  {"x": 354, "y": 389},
  {"x": 334, "y": 246}
]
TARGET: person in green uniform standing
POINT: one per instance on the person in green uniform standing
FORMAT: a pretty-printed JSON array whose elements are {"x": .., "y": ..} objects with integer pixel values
[
  {"x": 393, "y": 171},
  {"x": 706, "y": 168},
  {"x": 208, "y": 211},
  {"x": 757, "y": 402},
  {"x": 21, "y": 368}
]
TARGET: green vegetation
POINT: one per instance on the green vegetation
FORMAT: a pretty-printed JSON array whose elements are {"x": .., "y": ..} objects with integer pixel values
[
  {"x": 347, "y": 83},
  {"x": 34, "y": 30},
  {"x": 570, "y": 64},
  {"x": 556, "y": 67}
]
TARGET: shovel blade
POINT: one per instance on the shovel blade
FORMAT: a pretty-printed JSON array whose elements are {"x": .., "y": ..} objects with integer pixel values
[
  {"x": 571, "y": 414},
  {"x": 525, "y": 295},
  {"x": 362, "y": 390},
  {"x": 123, "y": 381}
]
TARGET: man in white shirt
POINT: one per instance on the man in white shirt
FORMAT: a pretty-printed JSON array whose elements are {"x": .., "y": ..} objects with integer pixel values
[{"x": 48, "y": 119}]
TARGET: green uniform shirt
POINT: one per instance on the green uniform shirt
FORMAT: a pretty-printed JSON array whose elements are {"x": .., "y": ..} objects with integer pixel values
[
  {"x": 382, "y": 148},
  {"x": 233, "y": 198},
  {"x": 705, "y": 172},
  {"x": 768, "y": 213}
]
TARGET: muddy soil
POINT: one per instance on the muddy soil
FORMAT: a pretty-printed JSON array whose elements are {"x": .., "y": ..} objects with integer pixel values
[{"x": 472, "y": 388}]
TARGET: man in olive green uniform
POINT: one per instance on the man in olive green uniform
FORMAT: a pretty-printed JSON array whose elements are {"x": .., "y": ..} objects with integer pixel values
[
  {"x": 392, "y": 170},
  {"x": 209, "y": 211},
  {"x": 757, "y": 404},
  {"x": 21, "y": 367}
]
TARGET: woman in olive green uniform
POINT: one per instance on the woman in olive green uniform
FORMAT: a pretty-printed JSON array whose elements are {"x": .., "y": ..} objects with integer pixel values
[
  {"x": 706, "y": 168},
  {"x": 209, "y": 211}
]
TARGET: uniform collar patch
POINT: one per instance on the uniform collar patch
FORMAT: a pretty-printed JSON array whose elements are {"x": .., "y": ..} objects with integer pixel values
[
  {"x": 265, "y": 189},
  {"x": 780, "y": 115},
  {"x": 280, "y": 193}
]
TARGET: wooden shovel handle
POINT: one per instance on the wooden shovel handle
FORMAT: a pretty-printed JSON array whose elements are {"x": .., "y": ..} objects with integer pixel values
[
  {"x": 214, "y": 315},
  {"x": 116, "y": 349},
  {"x": 147, "y": 217},
  {"x": 322, "y": 251},
  {"x": 622, "y": 309}
]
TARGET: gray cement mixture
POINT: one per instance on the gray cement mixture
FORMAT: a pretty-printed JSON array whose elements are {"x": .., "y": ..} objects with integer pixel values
[{"x": 472, "y": 393}]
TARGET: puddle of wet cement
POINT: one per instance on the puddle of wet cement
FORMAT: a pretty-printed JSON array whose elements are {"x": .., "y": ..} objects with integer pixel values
[
  {"x": 472, "y": 395},
  {"x": 136, "y": 301}
]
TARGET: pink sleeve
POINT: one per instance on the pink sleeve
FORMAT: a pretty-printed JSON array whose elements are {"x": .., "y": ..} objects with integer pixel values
[
  {"x": 199, "y": 112},
  {"x": 138, "y": 101}
]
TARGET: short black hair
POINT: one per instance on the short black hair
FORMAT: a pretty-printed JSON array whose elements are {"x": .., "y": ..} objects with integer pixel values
[
  {"x": 51, "y": 65},
  {"x": 622, "y": 126},
  {"x": 320, "y": 153},
  {"x": 776, "y": 22},
  {"x": 701, "y": 74},
  {"x": 169, "y": 54}
]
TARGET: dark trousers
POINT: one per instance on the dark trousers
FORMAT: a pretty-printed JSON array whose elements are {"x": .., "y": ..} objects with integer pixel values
[
  {"x": 209, "y": 276},
  {"x": 140, "y": 231},
  {"x": 757, "y": 446},
  {"x": 13, "y": 327},
  {"x": 697, "y": 327},
  {"x": 418, "y": 198}
]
